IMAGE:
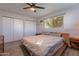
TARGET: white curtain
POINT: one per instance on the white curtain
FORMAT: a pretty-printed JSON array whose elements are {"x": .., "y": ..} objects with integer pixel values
[
  {"x": 16, "y": 29},
  {"x": 29, "y": 28},
  {"x": 7, "y": 26}
]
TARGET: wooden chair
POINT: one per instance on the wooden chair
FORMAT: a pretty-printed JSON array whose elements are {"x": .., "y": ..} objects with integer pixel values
[
  {"x": 1, "y": 44},
  {"x": 2, "y": 53}
]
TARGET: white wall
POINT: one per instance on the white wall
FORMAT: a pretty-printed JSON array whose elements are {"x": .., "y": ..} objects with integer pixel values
[
  {"x": 71, "y": 23},
  {"x": 15, "y": 15}
]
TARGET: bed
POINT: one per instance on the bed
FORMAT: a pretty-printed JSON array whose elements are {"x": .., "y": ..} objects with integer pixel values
[{"x": 43, "y": 45}]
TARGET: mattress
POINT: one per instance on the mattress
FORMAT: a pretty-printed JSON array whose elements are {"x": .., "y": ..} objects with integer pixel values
[{"x": 41, "y": 44}]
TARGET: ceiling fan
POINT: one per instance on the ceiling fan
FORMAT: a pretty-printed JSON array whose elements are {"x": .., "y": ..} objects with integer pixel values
[{"x": 33, "y": 7}]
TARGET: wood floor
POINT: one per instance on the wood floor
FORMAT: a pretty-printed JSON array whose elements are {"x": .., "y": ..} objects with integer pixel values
[
  {"x": 13, "y": 48},
  {"x": 16, "y": 49},
  {"x": 71, "y": 52}
]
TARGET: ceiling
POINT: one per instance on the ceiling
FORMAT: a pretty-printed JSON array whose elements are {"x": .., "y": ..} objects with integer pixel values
[{"x": 49, "y": 8}]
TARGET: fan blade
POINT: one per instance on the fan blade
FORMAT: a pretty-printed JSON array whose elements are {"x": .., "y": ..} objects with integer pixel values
[
  {"x": 29, "y": 4},
  {"x": 39, "y": 7},
  {"x": 34, "y": 3},
  {"x": 26, "y": 7}
]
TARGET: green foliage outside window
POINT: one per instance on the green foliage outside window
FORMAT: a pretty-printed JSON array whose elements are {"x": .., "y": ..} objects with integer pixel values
[{"x": 54, "y": 22}]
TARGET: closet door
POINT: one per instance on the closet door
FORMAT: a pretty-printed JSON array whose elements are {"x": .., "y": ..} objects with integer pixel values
[
  {"x": 18, "y": 29},
  {"x": 7, "y": 31},
  {"x": 29, "y": 28}
]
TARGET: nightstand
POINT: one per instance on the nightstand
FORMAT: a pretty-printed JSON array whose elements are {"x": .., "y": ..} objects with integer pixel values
[{"x": 74, "y": 42}]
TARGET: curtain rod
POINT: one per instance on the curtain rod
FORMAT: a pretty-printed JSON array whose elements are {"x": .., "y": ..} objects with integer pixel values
[
  {"x": 16, "y": 18},
  {"x": 10, "y": 17}
]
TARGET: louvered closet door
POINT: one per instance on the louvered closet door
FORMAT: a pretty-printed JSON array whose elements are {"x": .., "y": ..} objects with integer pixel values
[
  {"x": 29, "y": 28},
  {"x": 18, "y": 29},
  {"x": 7, "y": 29}
]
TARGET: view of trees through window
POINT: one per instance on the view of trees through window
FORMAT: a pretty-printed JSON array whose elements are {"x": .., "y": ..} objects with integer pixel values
[{"x": 54, "y": 22}]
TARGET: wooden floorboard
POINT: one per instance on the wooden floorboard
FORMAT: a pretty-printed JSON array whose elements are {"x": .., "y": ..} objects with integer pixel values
[{"x": 71, "y": 52}]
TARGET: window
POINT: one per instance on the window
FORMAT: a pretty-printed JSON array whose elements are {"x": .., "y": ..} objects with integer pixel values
[{"x": 54, "y": 22}]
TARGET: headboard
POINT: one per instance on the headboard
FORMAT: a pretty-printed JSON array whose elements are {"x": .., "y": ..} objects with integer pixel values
[
  {"x": 51, "y": 33},
  {"x": 65, "y": 35},
  {"x": 58, "y": 34}
]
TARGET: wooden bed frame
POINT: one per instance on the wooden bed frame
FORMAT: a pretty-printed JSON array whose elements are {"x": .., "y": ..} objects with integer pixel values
[{"x": 60, "y": 51}]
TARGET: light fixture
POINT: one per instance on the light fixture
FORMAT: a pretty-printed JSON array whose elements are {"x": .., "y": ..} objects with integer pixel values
[{"x": 33, "y": 9}]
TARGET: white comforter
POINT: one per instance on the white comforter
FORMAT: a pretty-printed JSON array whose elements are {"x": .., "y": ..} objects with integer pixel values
[{"x": 40, "y": 44}]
